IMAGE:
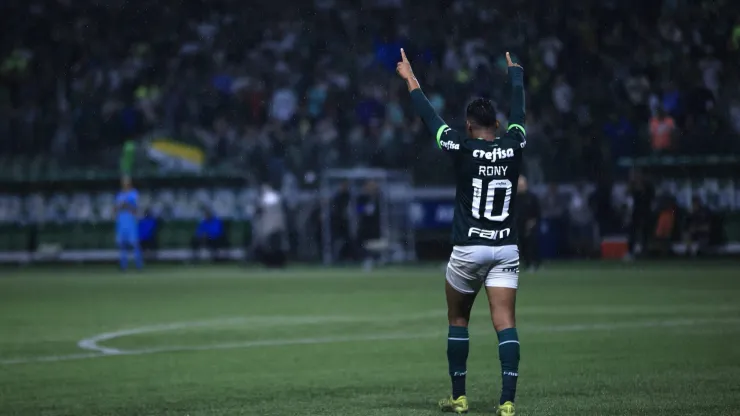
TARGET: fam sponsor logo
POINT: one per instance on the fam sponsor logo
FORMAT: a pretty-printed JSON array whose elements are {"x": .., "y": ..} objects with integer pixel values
[
  {"x": 494, "y": 155},
  {"x": 449, "y": 145},
  {"x": 489, "y": 234}
]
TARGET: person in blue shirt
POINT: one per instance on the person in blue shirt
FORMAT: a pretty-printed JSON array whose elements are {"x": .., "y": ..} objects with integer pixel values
[
  {"x": 148, "y": 231},
  {"x": 210, "y": 234},
  {"x": 127, "y": 231}
]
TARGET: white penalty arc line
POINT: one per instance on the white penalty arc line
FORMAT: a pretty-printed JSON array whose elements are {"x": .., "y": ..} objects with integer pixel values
[
  {"x": 222, "y": 346},
  {"x": 101, "y": 351},
  {"x": 93, "y": 343}
]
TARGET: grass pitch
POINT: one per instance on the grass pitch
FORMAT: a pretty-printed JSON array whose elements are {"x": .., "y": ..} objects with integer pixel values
[{"x": 597, "y": 339}]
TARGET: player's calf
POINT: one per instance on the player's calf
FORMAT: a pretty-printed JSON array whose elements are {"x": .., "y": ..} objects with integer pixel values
[
  {"x": 124, "y": 247},
  {"x": 459, "y": 305},
  {"x": 502, "y": 301}
]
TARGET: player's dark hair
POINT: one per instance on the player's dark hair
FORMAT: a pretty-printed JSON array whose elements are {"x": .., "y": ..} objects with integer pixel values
[{"x": 482, "y": 113}]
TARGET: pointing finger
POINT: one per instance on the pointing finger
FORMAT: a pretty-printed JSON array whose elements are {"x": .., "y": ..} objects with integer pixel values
[
  {"x": 508, "y": 58},
  {"x": 403, "y": 56}
]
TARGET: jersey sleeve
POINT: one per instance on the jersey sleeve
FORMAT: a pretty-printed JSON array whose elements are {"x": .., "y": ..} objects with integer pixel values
[
  {"x": 447, "y": 139},
  {"x": 516, "y": 129}
]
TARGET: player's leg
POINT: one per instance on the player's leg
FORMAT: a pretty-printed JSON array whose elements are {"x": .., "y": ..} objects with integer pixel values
[
  {"x": 136, "y": 247},
  {"x": 501, "y": 286},
  {"x": 465, "y": 273},
  {"x": 502, "y": 303},
  {"x": 122, "y": 249},
  {"x": 459, "y": 306}
]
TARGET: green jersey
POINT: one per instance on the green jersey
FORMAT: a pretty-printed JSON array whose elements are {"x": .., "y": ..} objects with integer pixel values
[{"x": 486, "y": 172}]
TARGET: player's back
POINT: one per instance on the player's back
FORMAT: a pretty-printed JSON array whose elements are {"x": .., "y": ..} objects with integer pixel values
[{"x": 486, "y": 174}]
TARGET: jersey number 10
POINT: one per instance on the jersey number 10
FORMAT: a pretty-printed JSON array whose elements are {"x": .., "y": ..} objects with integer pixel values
[{"x": 497, "y": 197}]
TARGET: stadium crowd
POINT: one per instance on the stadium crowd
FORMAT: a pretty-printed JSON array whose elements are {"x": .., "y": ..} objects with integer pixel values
[{"x": 273, "y": 86}]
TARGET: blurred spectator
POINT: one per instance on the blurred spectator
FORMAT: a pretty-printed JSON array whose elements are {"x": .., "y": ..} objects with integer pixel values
[
  {"x": 340, "y": 230},
  {"x": 369, "y": 231},
  {"x": 283, "y": 104},
  {"x": 621, "y": 133},
  {"x": 638, "y": 88},
  {"x": 149, "y": 234},
  {"x": 562, "y": 95},
  {"x": 665, "y": 225},
  {"x": 554, "y": 204},
  {"x": 306, "y": 79},
  {"x": 528, "y": 222},
  {"x": 210, "y": 234},
  {"x": 697, "y": 228},
  {"x": 581, "y": 224},
  {"x": 607, "y": 218},
  {"x": 735, "y": 35},
  {"x": 671, "y": 99},
  {"x": 641, "y": 216},
  {"x": 550, "y": 48},
  {"x": 662, "y": 129},
  {"x": 711, "y": 68},
  {"x": 270, "y": 228}
]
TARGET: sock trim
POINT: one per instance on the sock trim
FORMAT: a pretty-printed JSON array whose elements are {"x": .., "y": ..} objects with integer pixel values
[
  {"x": 458, "y": 339},
  {"x": 508, "y": 342}
]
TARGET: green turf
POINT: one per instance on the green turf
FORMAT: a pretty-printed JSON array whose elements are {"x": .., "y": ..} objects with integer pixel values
[{"x": 597, "y": 339}]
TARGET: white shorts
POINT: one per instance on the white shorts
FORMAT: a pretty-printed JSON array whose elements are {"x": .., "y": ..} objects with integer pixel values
[{"x": 471, "y": 266}]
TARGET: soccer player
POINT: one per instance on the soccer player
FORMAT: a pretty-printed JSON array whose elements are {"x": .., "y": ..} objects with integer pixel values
[
  {"x": 485, "y": 252},
  {"x": 127, "y": 227}
]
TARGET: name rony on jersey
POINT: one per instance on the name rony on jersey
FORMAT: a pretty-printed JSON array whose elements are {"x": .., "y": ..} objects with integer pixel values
[{"x": 492, "y": 156}]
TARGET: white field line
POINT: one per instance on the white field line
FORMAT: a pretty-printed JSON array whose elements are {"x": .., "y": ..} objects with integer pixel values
[
  {"x": 93, "y": 343},
  {"x": 107, "y": 352}
]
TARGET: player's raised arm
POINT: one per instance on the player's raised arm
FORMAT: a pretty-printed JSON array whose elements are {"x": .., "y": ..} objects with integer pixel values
[
  {"x": 516, "y": 112},
  {"x": 421, "y": 105}
]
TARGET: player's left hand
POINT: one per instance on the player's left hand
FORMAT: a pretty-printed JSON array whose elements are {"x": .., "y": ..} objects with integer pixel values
[
  {"x": 403, "y": 68},
  {"x": 509, "y": 63}
]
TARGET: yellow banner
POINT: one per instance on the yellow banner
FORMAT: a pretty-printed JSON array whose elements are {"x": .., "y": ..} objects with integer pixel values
[{"x": 173, "y": 152}]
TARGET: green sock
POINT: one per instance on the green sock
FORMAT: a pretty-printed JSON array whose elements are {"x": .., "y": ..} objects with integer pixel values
[
  {"x": 458, "y": 345},
  {"x": 508, "y": 352}
]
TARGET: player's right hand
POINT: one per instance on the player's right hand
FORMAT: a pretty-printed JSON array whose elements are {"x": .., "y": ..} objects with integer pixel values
[
  {"x": 508, "y": 61},
  {"x": 403, "y": 68}
]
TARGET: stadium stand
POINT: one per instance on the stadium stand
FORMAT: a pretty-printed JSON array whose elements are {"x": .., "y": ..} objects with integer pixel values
[
  {"x": 250, "y": 83},
  {"x": 265, "y": 92}
]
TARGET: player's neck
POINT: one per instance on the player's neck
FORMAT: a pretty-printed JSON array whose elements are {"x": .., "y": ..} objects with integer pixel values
[
  {"x": 485, "y": 135},
  {"x": 488, "y": 135}
]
